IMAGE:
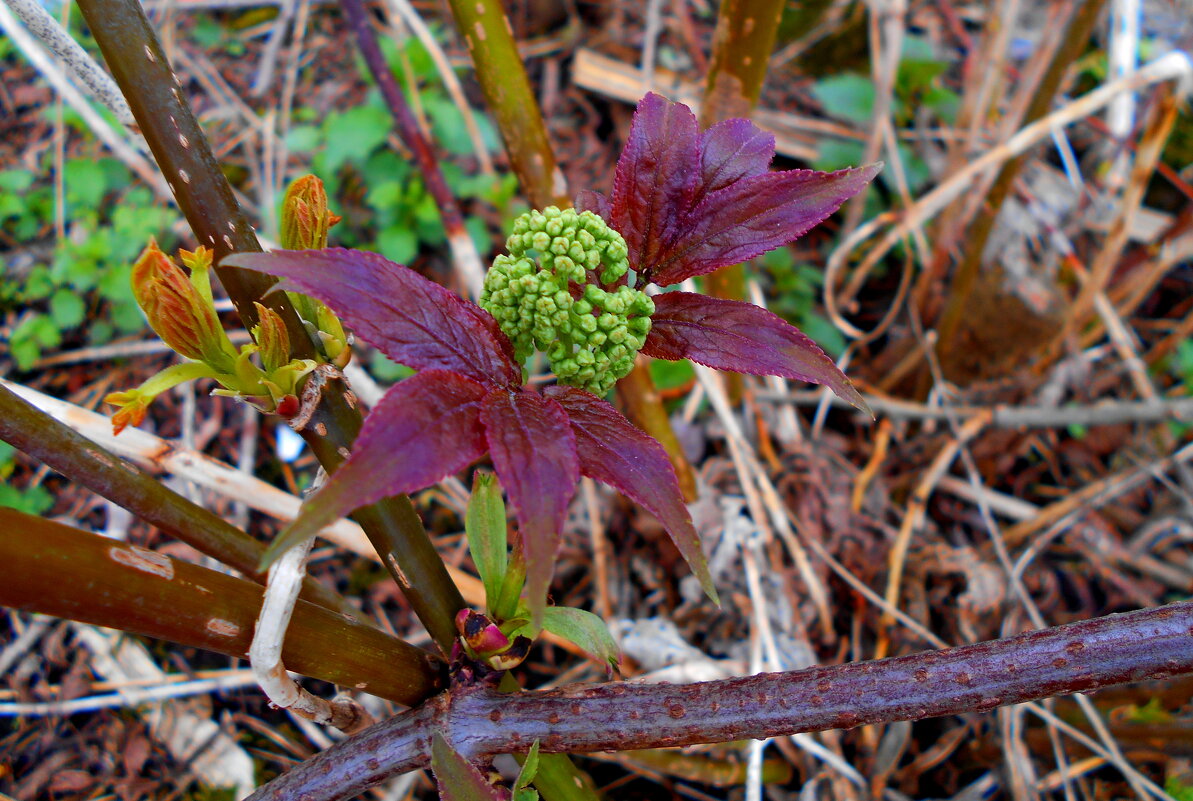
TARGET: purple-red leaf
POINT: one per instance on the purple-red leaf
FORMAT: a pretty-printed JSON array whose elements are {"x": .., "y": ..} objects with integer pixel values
[
  {"x": 656, "y": 174},
  {"x": 423, "y": 429},
  {"x": 732, "y": 150},
  {"x": 614, "y": 451},
  {"x": 412, "y": 320},
  {"x": 598, "y": 204},
  {"x": 752, "y": 216},
  {"x": 742, "y": 337},
  {"x": 688, "y": 203},
  {"x": 535, "y": 455}
]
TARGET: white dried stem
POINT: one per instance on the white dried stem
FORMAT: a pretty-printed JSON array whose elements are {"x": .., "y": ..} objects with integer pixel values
[
  {"x": 127, "y": 698},
  {"x": 51, "y": 33},
  {"x": 1174, "y": 66},
  {"x": 265, "y": 654},
  {"x": 192, "y": 737},
  {"x": 1123, "y": 58},
  {"x": 760, "y": 491},
  {"x": 50, "y": 70},
  {"x": 467, "y": 262}
]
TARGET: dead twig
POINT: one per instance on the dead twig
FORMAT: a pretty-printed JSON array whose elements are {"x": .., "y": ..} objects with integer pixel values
[
  {"x": 265, "y": 654},
  {"x": 1174, "y": 66},
  {"x": 1104, "y": 413}
]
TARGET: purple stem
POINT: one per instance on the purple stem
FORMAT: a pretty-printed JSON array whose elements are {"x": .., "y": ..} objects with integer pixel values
[
  {"x": 412, "y": 135},
  {"x": 479, "y": 722}
]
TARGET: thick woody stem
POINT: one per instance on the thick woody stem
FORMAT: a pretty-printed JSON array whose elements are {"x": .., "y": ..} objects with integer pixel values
[
  {"x": 80, "y": 576},
  {"x": 140, "y": 68},
  {"x": 39, "y": 435},
  {"x": 964, "y": 280},
  {"x": 502, "y": 77},
  {"x": 479, "y": 722},
  {"x": 742, "y": 44}
]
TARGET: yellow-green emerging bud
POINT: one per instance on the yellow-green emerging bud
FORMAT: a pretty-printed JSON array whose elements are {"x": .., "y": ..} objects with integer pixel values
[
  {"x": 305, "y": 221},
  {"x": 181, "y": 311},
  {"x": 179, "y": 308},
  {"x": 272, "y": 339},
  {"x": 564, "y": 289},
  {"x": 305, "y": 216}
]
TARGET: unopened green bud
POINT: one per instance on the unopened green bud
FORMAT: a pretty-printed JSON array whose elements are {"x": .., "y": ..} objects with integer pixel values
[
  {"x": 331, "y": 334},
  {"x": 563, "y": 289},
  {"x": 305, "y": 222}
]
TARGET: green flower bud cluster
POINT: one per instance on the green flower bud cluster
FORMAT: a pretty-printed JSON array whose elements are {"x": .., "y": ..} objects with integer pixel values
[{"x": 563, "y": 289}]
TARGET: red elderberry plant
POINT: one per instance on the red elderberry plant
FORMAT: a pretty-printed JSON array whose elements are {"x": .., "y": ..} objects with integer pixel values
[{"x": 686, "y": 203}]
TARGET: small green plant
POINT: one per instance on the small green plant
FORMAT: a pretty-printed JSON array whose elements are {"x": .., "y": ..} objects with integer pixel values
[
  {"x": 82, "y": 284},
  {"x": 1180, "y": 790},
  {"x": 1180, "y": 365},
  {"x": 502, "y": 636},
  {"x": 31, "y": 500},
  {"x": 918, "y": 86},
  {"x": 795, "y": 287},
  {"x": 404, "y": 217}
]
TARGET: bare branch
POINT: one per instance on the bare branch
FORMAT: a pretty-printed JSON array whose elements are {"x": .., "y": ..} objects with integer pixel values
[{"x": 480, "y": 722}]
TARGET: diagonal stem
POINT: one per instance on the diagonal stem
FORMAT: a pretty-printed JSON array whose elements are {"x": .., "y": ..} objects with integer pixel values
[
  {"x": 39, "y": 435},
  {"x": 466, "y": 258},
  {"x": 961, "y": 289},
  {"x": 742, "y": 44},
  {"x": 502, "y": 77},
  {"x": 82, "y": 576},
  {"x": 479, "y": 722}
]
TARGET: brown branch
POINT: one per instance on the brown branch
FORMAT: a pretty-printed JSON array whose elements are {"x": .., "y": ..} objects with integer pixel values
[
  {"x": 39, "y": 435},
  {"x": 480, "y": 722},
  {"x": 62, "y": 571}
]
